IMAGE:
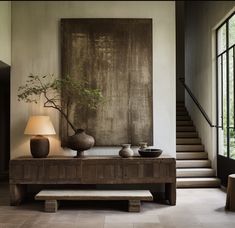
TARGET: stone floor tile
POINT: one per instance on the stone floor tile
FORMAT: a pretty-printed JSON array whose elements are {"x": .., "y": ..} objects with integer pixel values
[
  {"x": 53, "y": 225},
  {"x": 215, "y": 218},
  {"x": 13, "y": 219},
  {"x": 132, "y": 218},
  {"x": 89, "y": 225},
  {"x": 118, "y": 225},
  {"x": 61, "y": 225},
  {"x": 90, "y": 219},
  {"x": 219, "y": 225},
  {"x": 179, "y": 220},
  {"x": 147, "y": 225},
  {"x": 182, "y": 225},
  {"x": 7, "y": 225},
  {"x": 195, "y": 208},
  {"x": 63, "y": 218}
]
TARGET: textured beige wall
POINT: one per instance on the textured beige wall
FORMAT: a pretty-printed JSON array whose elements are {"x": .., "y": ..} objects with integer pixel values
[
  {"x": 201, "y": 21},
  {"x": 5, "y": 32},
  {"x": 36, "y": 45}
]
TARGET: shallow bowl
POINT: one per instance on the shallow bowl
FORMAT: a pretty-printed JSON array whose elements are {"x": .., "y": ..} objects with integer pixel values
[{"x": 150, "y": 152}]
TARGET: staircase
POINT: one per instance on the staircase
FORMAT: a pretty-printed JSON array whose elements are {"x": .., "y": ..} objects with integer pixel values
[{"x": 192, "y": 165}]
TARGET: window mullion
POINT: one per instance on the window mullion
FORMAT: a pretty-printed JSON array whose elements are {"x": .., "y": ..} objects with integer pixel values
[
  {"x": 227, "y": 76},
  {"x": 234, "y": 87}
]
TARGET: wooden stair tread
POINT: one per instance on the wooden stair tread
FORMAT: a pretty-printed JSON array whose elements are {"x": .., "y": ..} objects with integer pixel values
[
  {"x": 193, "y": 167},
  {"x": 195, "y": 147},
  {"x": 195, "y": 172},
  {"x": 178, "y": 118},
  {"x": 185, "y": 128},
  {"x": 191, "y": 155},
  {"x": 198, "y": 179},
  {"x": 188, "y": 141},
  {"x": 184, "y": 123},
  {"x": 193, "y": 163},
  {"x": 198, "y": 169},
  {"x": 181, "y": 113},
  {"x": 197, "y": 182},
  {"x": 190, "y": 151},
  {"x": 182, "y": 134}
]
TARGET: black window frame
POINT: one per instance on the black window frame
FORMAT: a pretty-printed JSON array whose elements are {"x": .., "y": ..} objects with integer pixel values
[{"x": 219, "y": 58}]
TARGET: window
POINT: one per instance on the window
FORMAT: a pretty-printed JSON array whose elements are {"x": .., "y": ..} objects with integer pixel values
[{"x": 225, "y": 63}]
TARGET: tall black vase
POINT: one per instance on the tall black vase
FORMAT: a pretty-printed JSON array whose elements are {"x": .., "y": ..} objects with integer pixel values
[{"x": 80, "y": 141}]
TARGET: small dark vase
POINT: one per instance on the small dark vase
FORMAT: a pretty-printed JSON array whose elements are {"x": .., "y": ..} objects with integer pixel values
[{"x": 80, "y": 141}]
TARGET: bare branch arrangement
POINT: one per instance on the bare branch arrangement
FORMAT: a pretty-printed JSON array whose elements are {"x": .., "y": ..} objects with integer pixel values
[{"x": 55, "y": 91}]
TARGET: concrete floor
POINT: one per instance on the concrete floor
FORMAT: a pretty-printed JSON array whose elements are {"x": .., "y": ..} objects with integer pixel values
[{"x": 202, "y": 208}]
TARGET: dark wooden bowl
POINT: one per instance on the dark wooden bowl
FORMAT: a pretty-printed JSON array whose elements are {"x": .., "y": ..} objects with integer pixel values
[{"x": 150, "y": 152}]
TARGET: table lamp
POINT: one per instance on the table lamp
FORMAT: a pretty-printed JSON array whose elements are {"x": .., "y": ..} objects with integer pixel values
[{"x": 39, "y": 126}]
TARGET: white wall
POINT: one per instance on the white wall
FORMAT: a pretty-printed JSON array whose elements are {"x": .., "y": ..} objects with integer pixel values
[
  {"x": 36, "y": 49},
  {"x": 5, "y": 32},
  {"x": 179, "y": 5},
  {"x": 201, "y": 21}
]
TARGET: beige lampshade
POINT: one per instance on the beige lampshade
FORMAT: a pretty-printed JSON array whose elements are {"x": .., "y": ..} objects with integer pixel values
[{"x": 39, "y": 125}]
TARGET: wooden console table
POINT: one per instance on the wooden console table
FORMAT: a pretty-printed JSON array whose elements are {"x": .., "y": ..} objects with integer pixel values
[{"x": 91, "y": 170}]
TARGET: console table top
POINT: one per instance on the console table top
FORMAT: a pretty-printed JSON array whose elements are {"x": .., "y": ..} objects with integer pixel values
[{"x": 107, "y": 157}]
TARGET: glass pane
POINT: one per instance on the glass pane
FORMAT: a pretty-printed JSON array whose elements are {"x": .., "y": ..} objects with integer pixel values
[
  {"x": 231, "y": 90},
  {"x": 224, "y": 71},
  {"x": 223, "y": 132},
  {"x": 231, "y": 104},
  {"x": 220, "y": 110},
  {"x": 231, "y": 29},
  {"x": 232, "y": 144},
  {"x": 221, "y": 142},
  {"x": 219, "y": 91},
  {"x": 221, "y": 39}
]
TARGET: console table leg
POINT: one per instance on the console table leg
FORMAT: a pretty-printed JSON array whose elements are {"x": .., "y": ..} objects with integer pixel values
[
  {"x": 51, "y": 206},
  {"x": 170, "y": 192},
  {"x": 17, "y": 193},
  {"x": 134, "y": 206}
]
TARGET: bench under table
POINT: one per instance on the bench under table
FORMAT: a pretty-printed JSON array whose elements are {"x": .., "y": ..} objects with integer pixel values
[{"x": 134, "y": 197}]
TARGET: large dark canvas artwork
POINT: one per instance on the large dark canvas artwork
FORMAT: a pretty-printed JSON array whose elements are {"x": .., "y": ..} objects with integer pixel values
[{"x": 114, "y": 55}]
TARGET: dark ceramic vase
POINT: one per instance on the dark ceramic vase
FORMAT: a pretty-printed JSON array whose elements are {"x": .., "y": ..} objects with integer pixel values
[
  {"x": 39, "y": 146},
  {"x": 80, "y": 141}
]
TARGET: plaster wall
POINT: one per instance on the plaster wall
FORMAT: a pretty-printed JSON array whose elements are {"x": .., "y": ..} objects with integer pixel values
[
  {"x": 179, "y": 9},
  {"x": 5, "y": 32},
  {"x": 36, "y": 49},
  {"x": 202, "y": 19}
]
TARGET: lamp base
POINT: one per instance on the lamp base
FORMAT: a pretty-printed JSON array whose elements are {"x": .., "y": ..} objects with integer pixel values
[{"x": 39, "y": 146}]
